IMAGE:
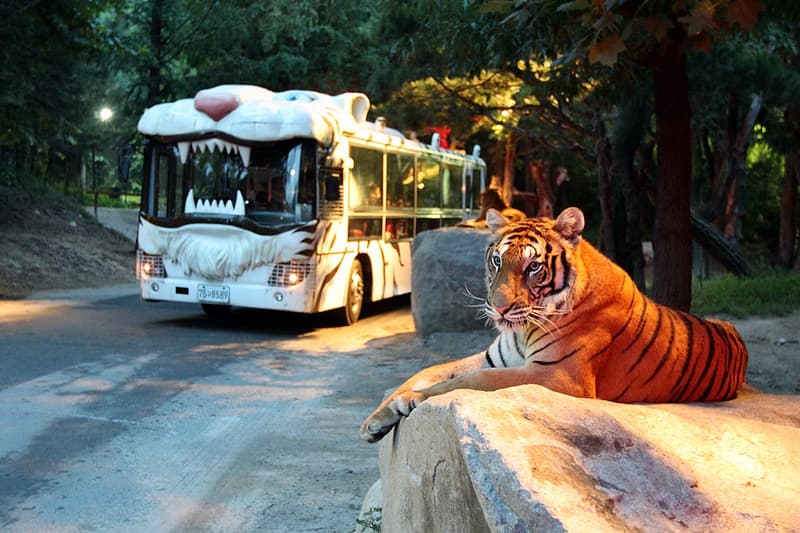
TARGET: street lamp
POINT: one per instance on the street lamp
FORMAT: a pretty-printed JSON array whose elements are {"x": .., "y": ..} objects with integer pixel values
[{"x": 104, "y": 115}]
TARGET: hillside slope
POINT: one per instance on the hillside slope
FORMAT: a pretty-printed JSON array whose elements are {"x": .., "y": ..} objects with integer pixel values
[{"x": 48, "y": 242}]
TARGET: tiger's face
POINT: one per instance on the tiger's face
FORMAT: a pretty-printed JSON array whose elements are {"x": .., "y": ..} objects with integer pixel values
[{"x": 529, "y": 269}]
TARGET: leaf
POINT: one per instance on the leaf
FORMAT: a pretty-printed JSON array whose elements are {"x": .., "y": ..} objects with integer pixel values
[
  {"x": 657, "y": 26},
  {"x": 606, "y": 51},
  {"x": 701, "y": 18},
  {"x": 745, "y": 13}
]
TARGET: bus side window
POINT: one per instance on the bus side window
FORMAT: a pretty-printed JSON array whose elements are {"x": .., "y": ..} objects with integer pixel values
[
  {"x": 428, "y": 183},
  {"x": 365, "y": 228},
  {"x": 366, "y": 178},
  {"x": 399, "y": 180}
]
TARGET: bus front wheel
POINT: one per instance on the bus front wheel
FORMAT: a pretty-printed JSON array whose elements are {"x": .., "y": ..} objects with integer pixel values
[{"x": 354, "y": 297}]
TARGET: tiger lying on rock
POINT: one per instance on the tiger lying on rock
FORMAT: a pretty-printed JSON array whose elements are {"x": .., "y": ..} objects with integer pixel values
[{"x": 573, "y": 321}]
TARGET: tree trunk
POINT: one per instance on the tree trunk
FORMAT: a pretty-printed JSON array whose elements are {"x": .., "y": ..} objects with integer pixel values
[
  {"x": 787, "y": 240},
  {"x": 626, "y": 189},
  {"x": 787, "y": 246},
  {"x": 672, "y": 245},
  {"x": 508, "y": 169},
  {"x": 604, "y": 171},
  {"x": 546, "y": 198},
  {"x": 154, "y": 95},
  {"x": 733, "y": 207}
]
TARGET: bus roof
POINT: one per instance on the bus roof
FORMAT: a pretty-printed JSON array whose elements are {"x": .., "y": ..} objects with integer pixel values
[
  {"x": 255, "y": 114},
  {"x": 252, "y": 113}
]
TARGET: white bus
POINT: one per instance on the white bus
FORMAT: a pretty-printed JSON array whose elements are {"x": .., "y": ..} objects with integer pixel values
[{"x": 288, "y": 201}]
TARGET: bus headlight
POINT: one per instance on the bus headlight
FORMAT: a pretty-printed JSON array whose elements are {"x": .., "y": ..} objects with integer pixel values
[
  {"x": 149, "y": 266},
  {"x": 290, "y": 273}
]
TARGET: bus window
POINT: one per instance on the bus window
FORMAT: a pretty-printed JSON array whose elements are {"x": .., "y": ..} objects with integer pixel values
[
  {"x": 365, "y": 228},
  {"x": 399, "y": 228},
  {"x": 399, "y": 180},
  {"x": 451, "y": 186},
  {"x": 428, "y": 183},
  {"x": 366, "y": 179},
  {"x": 473, "y": 194}
]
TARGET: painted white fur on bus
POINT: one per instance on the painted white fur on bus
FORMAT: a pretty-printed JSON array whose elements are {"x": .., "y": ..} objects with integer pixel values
[
  {"x": 253, "y": 113},
  {"x": 215, "y": 251}
]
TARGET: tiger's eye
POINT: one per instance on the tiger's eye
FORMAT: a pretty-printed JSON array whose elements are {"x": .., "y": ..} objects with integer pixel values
[{"x": 533, "y": 268}]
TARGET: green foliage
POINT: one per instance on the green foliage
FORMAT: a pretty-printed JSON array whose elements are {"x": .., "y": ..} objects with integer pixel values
[
  {"x": 765, "y": 168},
  {"x": 769, "y": 294}
]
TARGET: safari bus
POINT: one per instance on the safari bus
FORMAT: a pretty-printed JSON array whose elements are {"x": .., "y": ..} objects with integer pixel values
[{"x": 289, "y": 201}]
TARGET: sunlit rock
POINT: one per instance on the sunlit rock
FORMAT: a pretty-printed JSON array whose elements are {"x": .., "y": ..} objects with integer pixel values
[
  {"x": 448, "y": 280},
  {"x": 528, "y": 459}
]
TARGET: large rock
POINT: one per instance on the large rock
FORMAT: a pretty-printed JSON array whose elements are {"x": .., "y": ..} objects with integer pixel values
[
  {"x": 448, "y": 265},
  {"x": 529, "y": 459}
]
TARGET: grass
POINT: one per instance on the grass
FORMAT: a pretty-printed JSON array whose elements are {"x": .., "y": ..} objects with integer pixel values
[{"x": 768, "y": 294}]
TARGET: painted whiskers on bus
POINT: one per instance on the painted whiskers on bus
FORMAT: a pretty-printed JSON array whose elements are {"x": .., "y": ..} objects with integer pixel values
[{"x": 216, "y": 252}]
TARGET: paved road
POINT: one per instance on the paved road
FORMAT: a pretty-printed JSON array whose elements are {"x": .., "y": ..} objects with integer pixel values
[{"x": 119, "y": 415}]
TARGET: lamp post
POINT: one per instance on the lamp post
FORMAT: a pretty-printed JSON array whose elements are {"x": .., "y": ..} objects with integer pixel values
[{"x": 104, "y": 115}]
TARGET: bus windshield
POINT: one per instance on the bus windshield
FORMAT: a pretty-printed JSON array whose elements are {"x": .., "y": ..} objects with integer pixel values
[{"x": 277, "y": 184}]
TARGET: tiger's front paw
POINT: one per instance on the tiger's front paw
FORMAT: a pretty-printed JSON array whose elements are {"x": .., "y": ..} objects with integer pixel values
[{"x": 388, "y": 415}]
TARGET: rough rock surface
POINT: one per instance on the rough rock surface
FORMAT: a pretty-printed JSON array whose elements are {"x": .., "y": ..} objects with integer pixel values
[
  {"x": 448, "y": 266},
  {"x": 529, "y": 459}
]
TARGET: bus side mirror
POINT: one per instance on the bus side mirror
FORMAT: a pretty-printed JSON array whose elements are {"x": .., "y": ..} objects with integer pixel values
[{"x": 332, "y": 188}]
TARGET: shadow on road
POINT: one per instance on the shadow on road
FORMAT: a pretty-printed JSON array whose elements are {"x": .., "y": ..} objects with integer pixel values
[{"x": 280, "y": 323}]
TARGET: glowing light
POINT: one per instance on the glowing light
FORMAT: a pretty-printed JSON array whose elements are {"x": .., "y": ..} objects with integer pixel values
[{"x": 105, "y": 114}]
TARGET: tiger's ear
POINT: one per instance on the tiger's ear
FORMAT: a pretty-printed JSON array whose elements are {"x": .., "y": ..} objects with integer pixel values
[
  {"x": 495, "y": 219},
  {"x": 570, "y": 224}
]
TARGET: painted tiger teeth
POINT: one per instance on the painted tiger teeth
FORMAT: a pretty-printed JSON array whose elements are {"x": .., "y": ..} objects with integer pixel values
[
  {"x": 215, "y": 207},
  {"x": 210, "y": 145}
]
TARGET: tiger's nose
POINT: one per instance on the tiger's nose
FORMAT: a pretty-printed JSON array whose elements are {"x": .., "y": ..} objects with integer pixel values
[{"x": 502, "y": 308}]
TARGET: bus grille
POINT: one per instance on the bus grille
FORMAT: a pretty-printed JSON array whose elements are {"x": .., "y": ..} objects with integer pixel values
[{"x": 291, "y": 273}]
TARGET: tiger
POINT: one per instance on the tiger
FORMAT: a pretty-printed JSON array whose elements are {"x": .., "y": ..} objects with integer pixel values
[{"x": 571, "y": 320}]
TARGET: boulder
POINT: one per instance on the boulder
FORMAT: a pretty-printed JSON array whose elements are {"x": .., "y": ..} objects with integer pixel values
[
  {"x": 529, "y": 459},
  {"x": 448, "y": 267}
]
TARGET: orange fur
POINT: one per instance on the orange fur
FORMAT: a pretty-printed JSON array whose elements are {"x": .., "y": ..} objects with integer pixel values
[{"x": 573, "y": 321}]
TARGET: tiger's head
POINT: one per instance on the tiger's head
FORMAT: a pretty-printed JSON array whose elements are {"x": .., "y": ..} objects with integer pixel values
[{"x": 530, "y": 270}]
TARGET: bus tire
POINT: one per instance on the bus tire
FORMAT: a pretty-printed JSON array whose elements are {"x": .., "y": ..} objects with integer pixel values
[
  {"x": 354, "y": 296},
  {"x": 215, "y": 310}
]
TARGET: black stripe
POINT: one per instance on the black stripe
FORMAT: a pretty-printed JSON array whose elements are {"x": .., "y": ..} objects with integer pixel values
[
  {"x": 500, "y": 352},
  {"x": 687, "y": 322},
  {"x": 640, "y": 326},
  {"x": 570, "y": 354},
  {"x": 708, "y": 359},
  {"x": 489, "y": 359},
  {"x": 665, "y": 357},
  {"x": 624, "y": 327},
  {"x": 552, "y": 342},
  {"x": 520, "y": 351},
  {"x": 649, "y": 344}
]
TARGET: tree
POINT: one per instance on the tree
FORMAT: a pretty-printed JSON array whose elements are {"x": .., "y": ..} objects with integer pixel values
[{"x": 622, "y": 37}]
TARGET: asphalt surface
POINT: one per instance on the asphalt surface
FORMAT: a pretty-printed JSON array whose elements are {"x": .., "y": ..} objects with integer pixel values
[{"x": 120, "y": 415}]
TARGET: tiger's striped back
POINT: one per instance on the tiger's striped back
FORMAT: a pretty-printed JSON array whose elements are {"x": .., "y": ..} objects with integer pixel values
[{"x": 559, "y": 303}]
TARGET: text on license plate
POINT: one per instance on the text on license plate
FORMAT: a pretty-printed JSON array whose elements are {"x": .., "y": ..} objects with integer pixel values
[{"x": 218, "y": 294}]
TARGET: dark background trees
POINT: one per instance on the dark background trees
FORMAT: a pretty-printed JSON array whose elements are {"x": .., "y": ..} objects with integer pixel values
[{"x": 644, "y": 114}]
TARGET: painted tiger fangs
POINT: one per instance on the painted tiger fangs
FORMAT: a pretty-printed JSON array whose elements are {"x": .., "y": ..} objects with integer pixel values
[{"x": 571, "y": 320}]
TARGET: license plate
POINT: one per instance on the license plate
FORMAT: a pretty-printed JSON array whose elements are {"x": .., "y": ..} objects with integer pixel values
[{"x": 218, "y": 294}]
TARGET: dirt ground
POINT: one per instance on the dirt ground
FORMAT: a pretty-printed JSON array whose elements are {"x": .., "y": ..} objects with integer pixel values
[{"x": 47, "y": 244}]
